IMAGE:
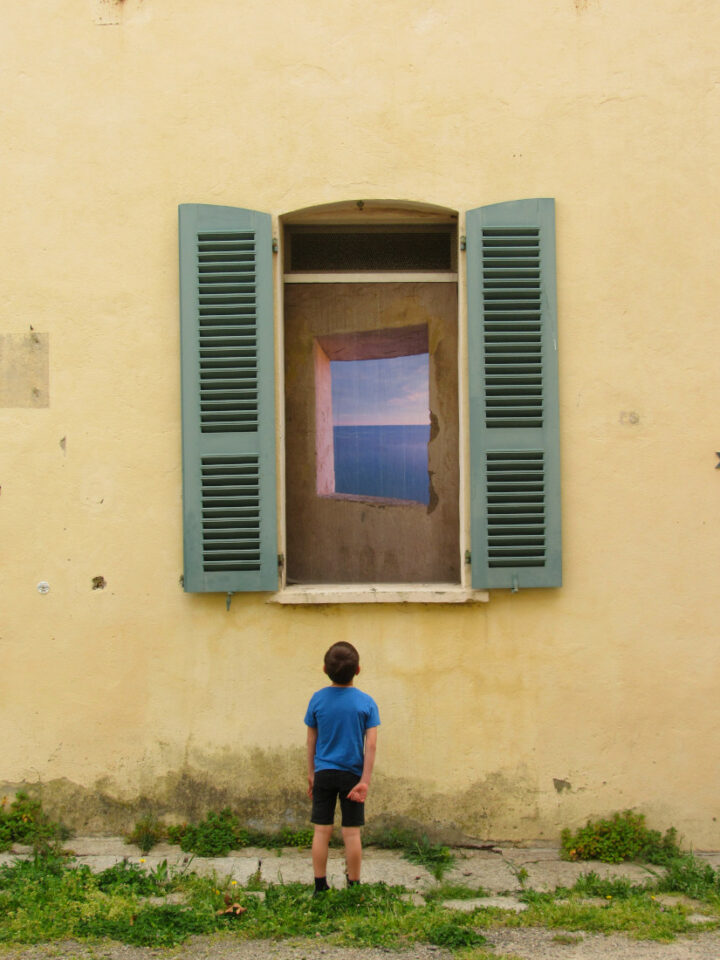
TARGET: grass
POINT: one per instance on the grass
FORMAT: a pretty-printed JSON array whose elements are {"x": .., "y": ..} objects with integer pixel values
[
  {"x": 453, "y": 891},
  {"x": 417, "y": 848},
  {"x": 48, "y": 898}
]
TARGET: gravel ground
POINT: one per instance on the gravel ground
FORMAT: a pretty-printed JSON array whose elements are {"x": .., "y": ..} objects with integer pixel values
[{"x": 528, "y": 944}]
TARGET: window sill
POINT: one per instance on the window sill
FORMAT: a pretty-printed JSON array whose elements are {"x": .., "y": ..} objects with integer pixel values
[{"x": 379, "y": 593}]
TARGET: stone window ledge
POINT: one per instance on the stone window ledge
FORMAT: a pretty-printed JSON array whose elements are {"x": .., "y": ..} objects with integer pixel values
[{"x": 379, "y": 593}]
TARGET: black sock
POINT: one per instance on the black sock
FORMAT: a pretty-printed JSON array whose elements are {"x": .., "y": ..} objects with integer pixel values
[
  {"x": 351, "y": 883},
  {"x": 321, "y": 884}
]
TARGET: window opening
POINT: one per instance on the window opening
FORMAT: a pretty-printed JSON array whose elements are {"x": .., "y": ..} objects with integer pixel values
[{"x": 371, "y": 416}]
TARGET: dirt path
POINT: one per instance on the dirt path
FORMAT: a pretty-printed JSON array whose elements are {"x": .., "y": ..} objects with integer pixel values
[{"x": 528, "y": 944}]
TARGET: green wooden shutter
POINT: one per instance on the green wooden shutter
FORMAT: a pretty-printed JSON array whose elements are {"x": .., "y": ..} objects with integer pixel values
[
  {"x": 512, "y": 347},
  {"x": 228, "y": 363}
]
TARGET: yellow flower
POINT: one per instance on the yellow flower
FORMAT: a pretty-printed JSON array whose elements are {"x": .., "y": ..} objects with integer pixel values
[
  {"x": 233, "y": 883},
  {"x": 608, "y": 897},
  {"x": 142, "y": 859}
]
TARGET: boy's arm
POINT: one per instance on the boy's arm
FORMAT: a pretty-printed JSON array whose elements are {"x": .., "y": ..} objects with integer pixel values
[
  {"x": 312, "y": 735},
  {"x": 360, "y": 790}
]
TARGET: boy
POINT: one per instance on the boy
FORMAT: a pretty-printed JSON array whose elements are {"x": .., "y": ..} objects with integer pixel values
[{"x": 342, "y": 724}]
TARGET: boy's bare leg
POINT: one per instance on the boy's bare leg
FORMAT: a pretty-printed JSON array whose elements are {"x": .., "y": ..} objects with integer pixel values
[
  {"x": 320, "y": 846},
  {"x": 353, "y": 851}
]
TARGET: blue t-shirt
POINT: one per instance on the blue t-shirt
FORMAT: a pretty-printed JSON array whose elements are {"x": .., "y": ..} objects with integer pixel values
[{"x": 341, "y": 715}]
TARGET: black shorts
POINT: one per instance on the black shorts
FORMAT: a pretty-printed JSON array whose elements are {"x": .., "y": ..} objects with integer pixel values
[{"x": 327, "y": 786}]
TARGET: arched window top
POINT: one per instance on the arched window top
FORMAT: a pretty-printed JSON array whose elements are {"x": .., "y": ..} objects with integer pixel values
[{"x": 371, "y": 211}]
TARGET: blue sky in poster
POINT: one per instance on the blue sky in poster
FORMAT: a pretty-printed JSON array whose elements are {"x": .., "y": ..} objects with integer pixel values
[{"x": 381, "y": 392}]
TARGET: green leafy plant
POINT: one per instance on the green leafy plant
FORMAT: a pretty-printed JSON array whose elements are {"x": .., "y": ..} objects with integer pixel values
[
  {"x": 146, "y": 833},
  {"x": 131, "y": 878},
  {"x": 453, "y": 891},
  {"x": 394, "y": 838},
  {"x": 23, "y": 821},
  {"x": 454, "y": 932},
  {"x": 435, "y": 857},
  {"x": 622, "y": 837},
  {"x": 620, "y": 888},
  {"x": 692, "y": 877},
  {"x": 221, "y": 832},
  {"x": 214, "y": 836}
]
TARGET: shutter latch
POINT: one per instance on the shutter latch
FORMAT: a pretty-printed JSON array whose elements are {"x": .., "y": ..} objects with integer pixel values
[
  {"x": 228, "y": 600},
  {"x": 515, "y": 583}
]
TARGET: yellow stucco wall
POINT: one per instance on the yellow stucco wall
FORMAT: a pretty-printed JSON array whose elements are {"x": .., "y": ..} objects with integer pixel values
[{"x": 115, "y": 112}]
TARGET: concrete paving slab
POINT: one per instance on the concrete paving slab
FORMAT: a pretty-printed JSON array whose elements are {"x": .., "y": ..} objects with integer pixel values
[
  {"x": 478, "y": 869},
  {"x": 484, "y": 903},
  {"x": 495, "y": 869}
]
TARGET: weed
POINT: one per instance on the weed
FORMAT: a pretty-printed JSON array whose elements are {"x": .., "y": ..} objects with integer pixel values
[
  {"x": 623, "y": 837},
  {"x": 638, "y": 915},
  {"x": 453, "y": 891},
  {"x": 568, "y": 939},
  {"x": 454, "y": 933},
  {"x": 435, "y": 857},
  {"x": 146, "y": 833},
  {"x": 619, "y": 888},
  {"x": 221, "y": 832},
  {"x": 214, "y": 836},
  {"x": 393, "y": 838},
  {"x": 692, "y": 877},
  {"x": 23, "y": 821},
  {"x": 130, "y": 878}
]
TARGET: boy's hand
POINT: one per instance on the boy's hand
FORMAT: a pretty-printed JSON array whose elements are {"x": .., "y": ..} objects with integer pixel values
[
  {"x": 359, "y": 792},
  {"x": 311, "y": 781}
]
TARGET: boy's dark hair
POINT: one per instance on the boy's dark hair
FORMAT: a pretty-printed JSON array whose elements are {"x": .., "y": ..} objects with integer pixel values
[{"x": 341, "y": 662}]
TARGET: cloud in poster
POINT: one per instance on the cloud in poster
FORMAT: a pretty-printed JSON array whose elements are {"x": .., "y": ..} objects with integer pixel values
[{"x": 381, "y": 392}]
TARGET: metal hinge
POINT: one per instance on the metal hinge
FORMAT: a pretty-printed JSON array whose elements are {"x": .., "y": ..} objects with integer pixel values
[
  {"x": 275, "y": 246},
  {"x": 468, "y": 557},
  {"x": 463, "y": 243},
  {"x": 281, "y": 561}
]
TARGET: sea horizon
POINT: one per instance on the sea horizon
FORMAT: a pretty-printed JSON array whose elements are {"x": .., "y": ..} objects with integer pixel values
[{"x": 382, "y": 460}]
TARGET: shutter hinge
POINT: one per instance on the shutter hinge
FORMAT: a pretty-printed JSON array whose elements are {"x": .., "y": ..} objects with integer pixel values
[
  {"x": 463, "y": 243},
  {"x": 228, "y": 600},
  {"x": 275, "y": 247},
  {"x": 468, "y": 557},
  {"x": 717, "y": 465},
  {"x": 515, "y": 583},
  {"x": 281, "y": 561}
]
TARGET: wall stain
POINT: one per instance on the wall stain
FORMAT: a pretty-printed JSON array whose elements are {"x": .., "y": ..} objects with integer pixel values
[{"x": 267, "y": 791}]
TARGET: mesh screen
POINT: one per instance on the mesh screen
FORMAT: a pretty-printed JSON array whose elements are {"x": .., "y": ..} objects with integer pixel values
[{"x": 351, "y": 252}]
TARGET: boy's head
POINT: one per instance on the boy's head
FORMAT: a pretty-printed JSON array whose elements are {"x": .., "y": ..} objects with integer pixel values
[{"x": 342, "y": 663}]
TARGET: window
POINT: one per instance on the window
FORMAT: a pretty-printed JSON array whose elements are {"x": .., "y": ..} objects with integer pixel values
[{"x": 229, "y": 424}]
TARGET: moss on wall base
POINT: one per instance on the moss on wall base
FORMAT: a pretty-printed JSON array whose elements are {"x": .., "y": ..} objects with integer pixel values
[{"x": 266, "y": 789}]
